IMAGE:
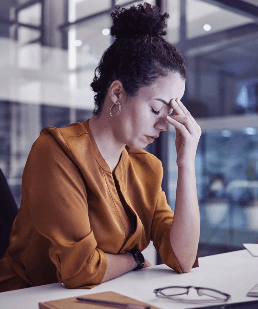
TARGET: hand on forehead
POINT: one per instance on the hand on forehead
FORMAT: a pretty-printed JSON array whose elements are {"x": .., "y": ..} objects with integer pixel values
[{"x": 172, "y": 106}]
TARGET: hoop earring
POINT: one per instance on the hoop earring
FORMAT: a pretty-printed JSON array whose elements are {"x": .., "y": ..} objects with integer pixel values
[{"x": 115, "y": 105}]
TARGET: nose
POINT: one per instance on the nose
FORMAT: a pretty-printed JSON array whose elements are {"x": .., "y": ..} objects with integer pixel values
[{"x": 162, "y": 124}]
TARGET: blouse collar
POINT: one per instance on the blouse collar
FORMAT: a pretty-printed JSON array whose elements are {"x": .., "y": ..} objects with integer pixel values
[{"x": 123, "y": 162}]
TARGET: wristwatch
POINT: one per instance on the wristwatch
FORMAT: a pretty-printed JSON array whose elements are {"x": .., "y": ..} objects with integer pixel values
[{"x": 138, "y": 257}]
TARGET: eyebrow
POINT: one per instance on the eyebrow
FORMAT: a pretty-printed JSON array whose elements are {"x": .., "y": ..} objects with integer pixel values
[{"x": 163, "y": 101}]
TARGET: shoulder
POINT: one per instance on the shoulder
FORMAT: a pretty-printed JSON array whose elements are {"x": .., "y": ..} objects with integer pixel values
[
  {"x": 72, "y": 131},
  {"x": 70, "y": 139}
]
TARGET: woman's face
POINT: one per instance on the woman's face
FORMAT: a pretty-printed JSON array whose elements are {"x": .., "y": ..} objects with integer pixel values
[{"x": 144, "y": 116}]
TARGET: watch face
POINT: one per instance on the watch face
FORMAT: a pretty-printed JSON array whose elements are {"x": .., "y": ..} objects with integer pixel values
[{"x": 139, "y": 257}]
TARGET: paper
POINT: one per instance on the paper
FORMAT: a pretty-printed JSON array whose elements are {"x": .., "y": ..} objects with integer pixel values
[{"x": 252, "y": 248}]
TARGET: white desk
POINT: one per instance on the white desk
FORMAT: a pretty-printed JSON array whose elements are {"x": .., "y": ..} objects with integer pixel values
[{"x": 234, "y": 273}]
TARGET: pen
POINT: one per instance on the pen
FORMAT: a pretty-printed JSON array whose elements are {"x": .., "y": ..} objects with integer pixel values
[{"x": 112, "y": 303}]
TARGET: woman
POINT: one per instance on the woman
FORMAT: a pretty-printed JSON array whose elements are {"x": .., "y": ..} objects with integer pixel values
[{"x": 92, "y": 198}]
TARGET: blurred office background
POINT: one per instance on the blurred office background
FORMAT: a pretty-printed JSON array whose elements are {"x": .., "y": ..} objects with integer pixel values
[{"x": 50, "y": 48}]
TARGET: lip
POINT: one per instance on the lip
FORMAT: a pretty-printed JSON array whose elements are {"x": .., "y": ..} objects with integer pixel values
[
  {"x": 155, "y": 136},
  {"x": 152, "y": 138}
]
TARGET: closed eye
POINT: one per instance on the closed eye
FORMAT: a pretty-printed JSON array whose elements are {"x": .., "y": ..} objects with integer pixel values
[{"x": 155, "y": 112}]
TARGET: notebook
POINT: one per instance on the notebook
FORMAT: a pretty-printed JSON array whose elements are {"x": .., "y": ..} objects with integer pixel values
[{"x": 74, "y": 303}]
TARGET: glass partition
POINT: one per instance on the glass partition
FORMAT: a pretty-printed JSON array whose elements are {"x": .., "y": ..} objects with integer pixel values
[
  {"x": 20, "y": 126},
  {"x": 173, "y": 23},
  {"x": 220, "y": 47},
  {"x": 221, "y": 93},
  {"x": 84, "y": 8},
  {"x": 31, "y": 15},
  {"x": 204, "y": 19},
  {"x": 227, "y": 185}
]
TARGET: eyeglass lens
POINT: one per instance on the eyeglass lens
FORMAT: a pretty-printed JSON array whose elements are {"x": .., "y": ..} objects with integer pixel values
[
  {"x": 173, "y": 291},
  {"x": 211, "y": 293},
  {"x": 178, "y": 291}
]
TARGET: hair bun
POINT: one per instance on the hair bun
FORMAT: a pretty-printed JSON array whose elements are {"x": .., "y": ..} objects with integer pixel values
[{"x": 139, "y": 20}]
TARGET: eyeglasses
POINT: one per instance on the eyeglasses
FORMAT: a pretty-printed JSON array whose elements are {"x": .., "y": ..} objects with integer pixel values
[{"x": 178, "y": 293}]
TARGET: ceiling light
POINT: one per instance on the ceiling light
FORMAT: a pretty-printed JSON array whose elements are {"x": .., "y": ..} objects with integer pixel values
[
  {"x": 106, "y": 31},
  {"x": 250, "y": 131},
  {"x": 206, "y": 27},
  {"x": 78, "y": 43},
  {"x": 226, "y": 133}
]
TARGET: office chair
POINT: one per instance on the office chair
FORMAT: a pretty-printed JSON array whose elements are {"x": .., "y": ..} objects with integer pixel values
[{"x": 8, "y": 211}]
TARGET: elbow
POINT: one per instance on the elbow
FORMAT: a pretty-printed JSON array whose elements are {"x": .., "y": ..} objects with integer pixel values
[
  {"x": 185, "y": 269},
  {"x": 79, "y": 285},
  {"x": 186, "y": 265}
]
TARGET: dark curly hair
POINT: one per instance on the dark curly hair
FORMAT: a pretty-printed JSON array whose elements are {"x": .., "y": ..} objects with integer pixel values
[{"x": 139, "y": 54}]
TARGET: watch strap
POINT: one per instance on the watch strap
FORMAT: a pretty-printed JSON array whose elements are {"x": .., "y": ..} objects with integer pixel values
[{"x": 138, "y": 257}]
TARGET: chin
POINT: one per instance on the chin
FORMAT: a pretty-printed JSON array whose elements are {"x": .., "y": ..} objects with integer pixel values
[{"x": 139, "y": 145}]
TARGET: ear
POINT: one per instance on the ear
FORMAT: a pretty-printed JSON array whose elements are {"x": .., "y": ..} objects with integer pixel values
[{"x": 116, "y": 91}]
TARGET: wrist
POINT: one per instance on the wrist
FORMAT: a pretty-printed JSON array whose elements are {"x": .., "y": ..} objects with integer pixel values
[{"x": 190, "y": 167}]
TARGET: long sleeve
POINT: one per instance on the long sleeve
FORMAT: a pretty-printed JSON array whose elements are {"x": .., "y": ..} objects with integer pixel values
[
  {"x": 57, "y": 196},
  {"x": 143, "y": 185},
  {"x": 162, "y": 220},
  {"x": 71, "y": 214}
]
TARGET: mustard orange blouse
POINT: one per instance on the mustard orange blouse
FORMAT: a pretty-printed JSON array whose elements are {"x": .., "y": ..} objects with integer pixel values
[{"x": 74, "y": 210}]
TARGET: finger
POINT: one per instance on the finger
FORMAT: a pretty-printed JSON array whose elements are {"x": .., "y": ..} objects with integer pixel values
[
  {"x": 179, "y": 126},
  {"x": 147, "y": 263},
  {"x": 183, "y": 108},
  {"x": 188, "y": 114},
  {"x": 178, "y": 110},
  {"x": 185, "y": 121},
  {"x": 170, "y": 107}
]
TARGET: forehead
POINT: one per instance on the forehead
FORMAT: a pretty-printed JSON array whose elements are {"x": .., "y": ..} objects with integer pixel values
[{"x": 166, "y": 88}]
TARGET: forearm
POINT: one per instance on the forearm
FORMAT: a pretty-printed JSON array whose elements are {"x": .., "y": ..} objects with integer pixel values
[
  {"x": 185, "y": 229},
  {"x": 118, "y": 264}
]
